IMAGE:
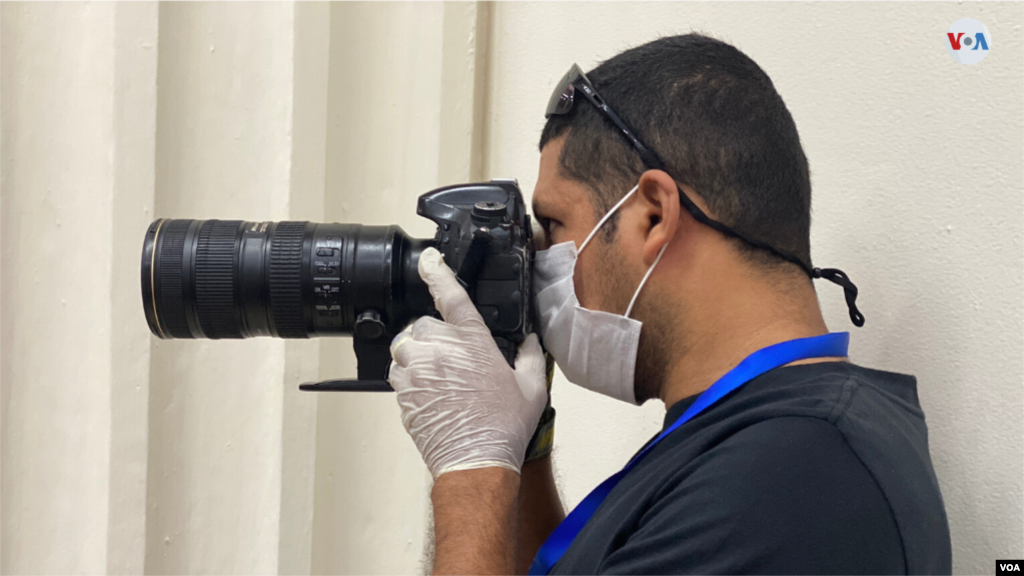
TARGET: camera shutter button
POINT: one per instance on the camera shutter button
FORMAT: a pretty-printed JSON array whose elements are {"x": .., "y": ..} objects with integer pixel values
[{"x": 368, "y": 325}]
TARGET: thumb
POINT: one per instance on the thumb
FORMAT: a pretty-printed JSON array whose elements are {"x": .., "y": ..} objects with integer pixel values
[
  {"x": 450, "y": 298},
  {"x": 530, "y": 367}
]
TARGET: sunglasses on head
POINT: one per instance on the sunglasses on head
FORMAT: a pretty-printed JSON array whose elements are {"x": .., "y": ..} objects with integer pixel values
[
  {"x": 564, "y": 96},
  {"x": 561, "y": 102}
]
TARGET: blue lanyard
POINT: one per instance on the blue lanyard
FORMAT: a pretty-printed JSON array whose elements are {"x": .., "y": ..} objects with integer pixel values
[{"x": 765, "y": 359}]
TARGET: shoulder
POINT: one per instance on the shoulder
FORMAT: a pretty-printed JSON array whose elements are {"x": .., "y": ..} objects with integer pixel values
[
  {"x": 790, "y": 457},
  {"x": 785, "y": 494},
  {"x": 788, "y": 448}
]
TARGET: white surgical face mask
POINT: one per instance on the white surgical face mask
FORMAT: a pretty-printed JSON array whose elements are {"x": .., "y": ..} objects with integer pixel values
[{"x": 596, "y": 350}]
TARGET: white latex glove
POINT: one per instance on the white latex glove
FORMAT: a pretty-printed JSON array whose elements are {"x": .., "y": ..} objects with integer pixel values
[{"x": 463, "y": 405}]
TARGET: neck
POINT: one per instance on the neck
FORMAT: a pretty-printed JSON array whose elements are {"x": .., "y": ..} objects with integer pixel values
[{"x": 730, "y": 324}]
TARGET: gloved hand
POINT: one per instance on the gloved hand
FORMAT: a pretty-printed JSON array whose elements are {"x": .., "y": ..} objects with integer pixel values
[{"x": 461, "y": 402}]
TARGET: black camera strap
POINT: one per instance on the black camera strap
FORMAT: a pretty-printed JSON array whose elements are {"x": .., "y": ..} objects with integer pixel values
[{"x": 833, "y": 275}]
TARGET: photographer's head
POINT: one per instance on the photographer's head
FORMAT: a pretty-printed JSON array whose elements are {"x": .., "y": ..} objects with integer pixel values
[{"x": 708, "y": 124}]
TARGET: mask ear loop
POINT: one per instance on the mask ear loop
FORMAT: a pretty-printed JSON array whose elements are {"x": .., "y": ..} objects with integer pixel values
[
  {"x": 644, "y": 281},
  {"x": 605, "y": 219},
  {"x": 598, "y": 227}
]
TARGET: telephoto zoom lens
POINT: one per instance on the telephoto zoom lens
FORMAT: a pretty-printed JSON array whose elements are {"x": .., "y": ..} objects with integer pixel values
[{"x": 236, "y": 279}]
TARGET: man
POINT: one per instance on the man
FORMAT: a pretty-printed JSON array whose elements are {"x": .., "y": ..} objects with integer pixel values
[{"x": 675, "y": 200}]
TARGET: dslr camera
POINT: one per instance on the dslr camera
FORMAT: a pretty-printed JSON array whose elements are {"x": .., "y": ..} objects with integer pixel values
[{"x": 236, "y": 279}]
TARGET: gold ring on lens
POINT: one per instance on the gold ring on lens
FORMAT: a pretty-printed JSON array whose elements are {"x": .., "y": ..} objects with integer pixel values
[{"x": 152, "y": 285}]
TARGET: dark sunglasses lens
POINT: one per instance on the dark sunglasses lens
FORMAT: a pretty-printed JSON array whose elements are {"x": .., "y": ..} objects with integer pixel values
[
  {"x": 561, "y": 103},
  {"x": 561, "y": 99}
]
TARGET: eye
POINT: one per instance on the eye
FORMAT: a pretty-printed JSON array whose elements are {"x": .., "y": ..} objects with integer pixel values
[{"x": 552, "y": 228}]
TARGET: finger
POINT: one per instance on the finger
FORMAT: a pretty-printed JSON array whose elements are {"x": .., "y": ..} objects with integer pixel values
[
  {"x": 450, "y": 297},
  {"x": 530, "y": 371},
  {"x": 428, "y": 329},
  {"x": 530, "y": 358},
  {"x": 402, "y": 349},
  {"x": 398, "y": 377}
]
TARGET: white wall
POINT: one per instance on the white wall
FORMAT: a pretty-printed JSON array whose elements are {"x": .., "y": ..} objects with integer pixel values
[
  {"x": 240, "y": 135},
  {"x": 122, "y": 453},
  {"x": 125, "y": 454},
  {"x": 402, "y": 122},
  {"x": 77, "y": 115}
]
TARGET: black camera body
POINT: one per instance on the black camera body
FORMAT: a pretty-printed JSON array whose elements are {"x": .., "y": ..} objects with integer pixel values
[
  {"x": 484, "y": 234},
  {"x": 235, "y": 279}
]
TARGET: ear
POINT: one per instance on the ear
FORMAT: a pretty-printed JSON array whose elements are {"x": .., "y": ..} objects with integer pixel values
[{"x": 659, "y": 198}]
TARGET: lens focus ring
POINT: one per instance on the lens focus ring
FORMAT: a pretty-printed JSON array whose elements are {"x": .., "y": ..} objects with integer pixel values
[
  {"x": 216, "y": 254},
  {"x": 286, "y": 280}
]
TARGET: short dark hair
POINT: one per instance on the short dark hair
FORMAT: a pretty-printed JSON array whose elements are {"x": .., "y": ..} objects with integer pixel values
[{"x": 714, "y": 117}]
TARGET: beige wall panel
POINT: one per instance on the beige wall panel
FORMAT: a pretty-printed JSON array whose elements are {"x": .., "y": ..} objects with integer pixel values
[
  {"x": 56, "y": 297},
  {"x": 404, "y": 92},
  {"x": 312, "y": 37},
  {"x": 226, "y": 145},
  {"x": 134, "y": 121},
  {"x": 382, "y": 144},
  {"x": 78, "y": 107}
]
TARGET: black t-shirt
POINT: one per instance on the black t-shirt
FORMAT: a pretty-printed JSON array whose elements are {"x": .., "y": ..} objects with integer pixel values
[{"x": 810, "y": 469}]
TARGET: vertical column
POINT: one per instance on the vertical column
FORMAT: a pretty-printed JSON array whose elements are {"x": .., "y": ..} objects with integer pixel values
[
  {"x": 134, "y": 132},
  {"x": 311, "y": 37},
  {"x": 230, "y": 441},
  {"x": 464, "y": 76},
  {"x": 404, "y": 106},
  {"x": 77, "y": 187}
]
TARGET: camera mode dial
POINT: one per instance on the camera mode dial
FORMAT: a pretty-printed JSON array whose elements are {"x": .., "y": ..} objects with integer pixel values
[{"x": 489, "y": 213}]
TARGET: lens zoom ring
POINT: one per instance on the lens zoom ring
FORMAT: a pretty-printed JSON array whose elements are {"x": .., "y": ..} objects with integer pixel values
[
  {"x": 215, "y": 279},
  {"x": 170, "y": 306},
  {"x": 286, "y": 280}
]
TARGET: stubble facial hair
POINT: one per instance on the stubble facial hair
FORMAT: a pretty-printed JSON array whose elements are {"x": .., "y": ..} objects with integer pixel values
[{"x": 658, "y": 335}]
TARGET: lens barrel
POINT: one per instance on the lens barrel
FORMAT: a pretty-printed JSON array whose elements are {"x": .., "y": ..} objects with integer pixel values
[{"x": 236, "y": 279}]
